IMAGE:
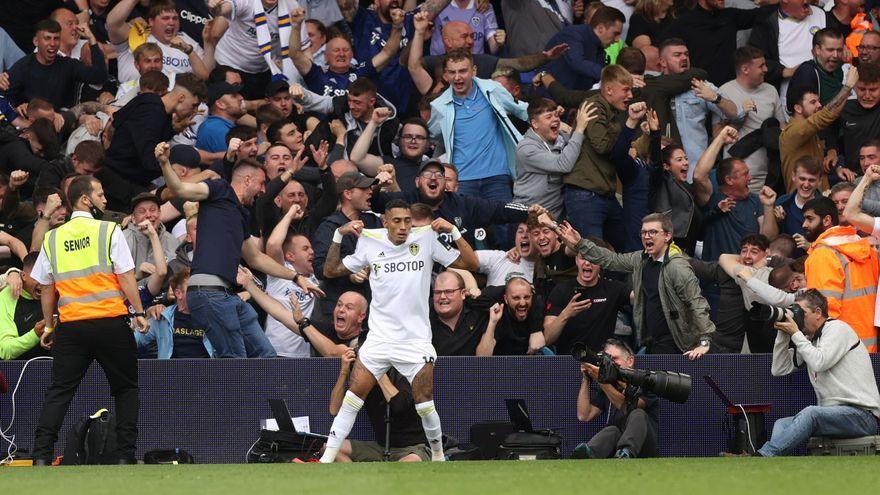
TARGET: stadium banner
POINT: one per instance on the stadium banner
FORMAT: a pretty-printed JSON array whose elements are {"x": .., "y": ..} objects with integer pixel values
[{"x": 213, "y": 408}]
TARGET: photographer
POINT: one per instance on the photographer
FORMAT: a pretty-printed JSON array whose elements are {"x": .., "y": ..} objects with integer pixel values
[
  {"x": 406, "y": 440},
  {"x": 839, "y": 369},
  {"x": 632, "y": 422}
]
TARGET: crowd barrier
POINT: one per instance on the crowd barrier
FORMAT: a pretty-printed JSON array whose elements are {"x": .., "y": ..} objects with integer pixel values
[{"x": 213, "y": 408}]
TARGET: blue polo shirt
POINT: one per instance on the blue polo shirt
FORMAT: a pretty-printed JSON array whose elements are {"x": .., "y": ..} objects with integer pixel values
[
  {"x": 211, "y": 136},
  {"x": 329, "y": 83},
  {"x": 223, "y": 227},
  {"x": 723, "y": 231},
  {"x": 477, "y": 142},
  {"x": 794, "y": 214},
  {"x": 369, "y": 36}
]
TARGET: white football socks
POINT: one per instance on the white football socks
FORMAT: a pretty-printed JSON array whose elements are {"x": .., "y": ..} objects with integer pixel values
[
  {"x": 342, "y": 425},
  {"x": 431, "y": 424}
]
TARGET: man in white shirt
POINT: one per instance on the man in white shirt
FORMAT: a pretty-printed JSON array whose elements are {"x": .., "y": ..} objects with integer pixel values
[
  {"x": 759, "y": 99},
  {"x": 180, "y": 53},
  {"x": 239, "y": 47},
  {"x": 400, "y": 258},
  {"x": 292, "y": 251}
]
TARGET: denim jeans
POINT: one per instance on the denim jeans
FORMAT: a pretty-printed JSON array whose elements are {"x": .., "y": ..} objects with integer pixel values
[
  {"x": 231, "y": 324},
  {"x": 827, "y": 421},
  {"x": 594, "y": 215},
  {"x": 495, "y": 188}
]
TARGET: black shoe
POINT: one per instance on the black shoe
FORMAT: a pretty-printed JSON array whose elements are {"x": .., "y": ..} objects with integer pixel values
[{"x": 42, "y": 462}]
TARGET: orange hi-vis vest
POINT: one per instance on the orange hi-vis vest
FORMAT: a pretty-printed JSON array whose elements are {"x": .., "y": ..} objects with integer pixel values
[
  {"x": 79, "y": 252},
  {"x": 844, "y": 268},
  {"x": 860, "y": 25}
]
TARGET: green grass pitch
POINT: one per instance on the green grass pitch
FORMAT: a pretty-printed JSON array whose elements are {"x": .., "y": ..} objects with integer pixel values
[{"x": 715, "y": 476}]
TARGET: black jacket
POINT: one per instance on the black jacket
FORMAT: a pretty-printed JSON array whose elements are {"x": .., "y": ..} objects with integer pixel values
[
  {"x": 138, "y": 127},
  {"x": 468, "y": 213},
  {"x": 334, "y": 287},
  {"x": 765, "y": 35},
  {"x": 710, "y": 36}
]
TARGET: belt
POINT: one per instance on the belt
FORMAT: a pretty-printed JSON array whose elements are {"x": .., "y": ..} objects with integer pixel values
[{"x": 213, "y": 288}]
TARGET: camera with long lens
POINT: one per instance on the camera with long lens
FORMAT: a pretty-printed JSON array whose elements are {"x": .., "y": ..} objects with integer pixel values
[
  {"x": 773, "y": 314},
  {"x": 669, "y": 385}
]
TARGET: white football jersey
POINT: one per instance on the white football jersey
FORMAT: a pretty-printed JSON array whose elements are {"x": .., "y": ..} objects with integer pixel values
[{"x": 400, "y": 280}]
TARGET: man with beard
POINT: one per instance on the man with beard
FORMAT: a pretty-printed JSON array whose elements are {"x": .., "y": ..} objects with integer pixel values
[
  {"x": 470, "y": 214},
  {"x": 227, "y": 106},
  {"x": 842, "y": 266},
  {"x": 355, "y": 192},
  {"x": 809, "y": 118},
  {"x": 224, "y": 236},
  {"x": 516, "y": 324},
  {"x": 869, "y": 48}
]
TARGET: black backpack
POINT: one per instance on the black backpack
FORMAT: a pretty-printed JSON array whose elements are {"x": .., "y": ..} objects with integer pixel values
[
  {"x": 283, "y": 446},
  {"x": 92, "y": 440}
]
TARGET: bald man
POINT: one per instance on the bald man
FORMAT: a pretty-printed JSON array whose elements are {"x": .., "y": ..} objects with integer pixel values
[
  {"x": 516, "y": 320},
  {"x": 460, "y": 35}
]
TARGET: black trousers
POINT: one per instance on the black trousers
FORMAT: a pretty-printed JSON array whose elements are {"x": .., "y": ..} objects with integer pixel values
[
  {"x": 638, "y": 436},
  {"x": 109, "y": 341}
]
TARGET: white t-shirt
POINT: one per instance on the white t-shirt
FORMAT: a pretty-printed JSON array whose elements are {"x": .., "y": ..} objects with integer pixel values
[
  {"x": 400, "y": 280},
  {"x": 768, "y": 105},
  {"x": 285, "y": 342},
  {"x": 796, "y": 37},
  {"x": 174, "y": 61},
  {"x": 239, "y": 47},
  {"x": 497, "y": 267}
]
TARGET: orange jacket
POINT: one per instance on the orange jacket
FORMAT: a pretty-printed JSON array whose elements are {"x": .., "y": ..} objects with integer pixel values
[
  {"x": 860, "y": 25},
  {"x": 845, "y": 269}
]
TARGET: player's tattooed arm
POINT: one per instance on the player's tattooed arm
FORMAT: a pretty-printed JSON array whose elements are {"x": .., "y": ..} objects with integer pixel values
[{"x": 333, "y": 267}]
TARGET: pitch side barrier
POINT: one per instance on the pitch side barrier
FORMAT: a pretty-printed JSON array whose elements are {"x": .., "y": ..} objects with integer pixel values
[{"x": 213, "y": 408}]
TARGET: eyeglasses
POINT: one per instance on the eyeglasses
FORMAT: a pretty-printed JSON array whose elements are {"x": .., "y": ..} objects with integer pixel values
[
  {"x": 868, "y": 48},
  {"x": 432, "y": 175},
  {"x": 413, "y": 137},
  {"x": 650, "y": 233},
  {"x": 446, "y": 292}
]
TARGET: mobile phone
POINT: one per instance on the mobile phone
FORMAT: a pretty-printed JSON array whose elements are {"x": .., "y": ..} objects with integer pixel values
[{"x": 583, "y": 292}]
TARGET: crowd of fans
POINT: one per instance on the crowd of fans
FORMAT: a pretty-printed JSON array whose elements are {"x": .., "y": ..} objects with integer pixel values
[{"x": 711, "y": 157}]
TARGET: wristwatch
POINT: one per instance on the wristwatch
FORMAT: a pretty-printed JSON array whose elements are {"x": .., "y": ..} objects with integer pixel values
[
  {"x": 305, "y": 322},
  {"x": 718, "y": 98},
  {"x": 704, "y": 343}
]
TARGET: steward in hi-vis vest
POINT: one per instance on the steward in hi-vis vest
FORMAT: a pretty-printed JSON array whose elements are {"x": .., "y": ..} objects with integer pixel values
[{"x": 87, "y": 272}]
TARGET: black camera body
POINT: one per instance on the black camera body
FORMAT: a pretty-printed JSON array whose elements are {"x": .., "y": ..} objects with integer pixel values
[
  {"x": 668, "y": 385},
  {"x": 773, "y": 314}
]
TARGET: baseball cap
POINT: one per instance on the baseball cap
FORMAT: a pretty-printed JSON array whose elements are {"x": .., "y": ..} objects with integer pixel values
[
  {"x": 185, "y": 155},
  {"x": 275, "y": 87},
  {"x": 354, "y": 180},
  {"x": 145, "y": 196},
  {"x": 218, "y": 89},
  {"x": 431, "y": 161}
]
